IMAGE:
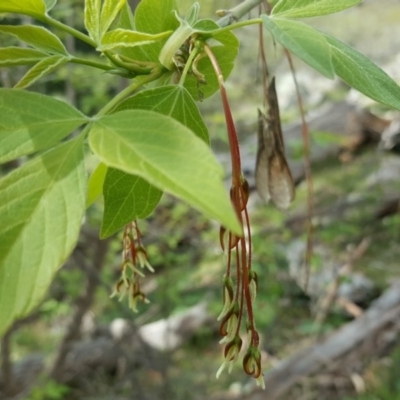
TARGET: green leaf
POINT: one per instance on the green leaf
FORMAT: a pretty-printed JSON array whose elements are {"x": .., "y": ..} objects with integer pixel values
[
  {"x": 152, "y": 16},
  {"x": 50, "y": 4},
  {"x": 172, "y": 100},
  {"x": 92, "y": 18},
  {"x": 175, "y": 102},
  {"x": 41, "y": 69},
  {"x": 193, "y": 14},
  {"x": 303, "y": 41},
  {"x": 95, "y": 184},
  {"x": 127, "y": 38},
  {"x": 225, "y": 50},
  {"x": 41, "y": 209},
  {"x": 34, "y": 8},
  {"x": 109, "y": 11},
  {"x": 126, "y": 18},
  {"x": 32, "y": 122},
  {"x": 36, "y": 36},
  {"x": 10, "y": 56},
  {"x": 126, "y": 197},
  {"x": 166, "y": 154},
  {"x": 155, "y": 16},
  {"x": 362, "y": 74},
  {"x": 310, "y": 8},
  {"x": 175, "y": 42}
]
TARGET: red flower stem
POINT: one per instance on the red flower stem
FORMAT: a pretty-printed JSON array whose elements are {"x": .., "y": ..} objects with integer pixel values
[
  {"x": 239, "y": 289},
  {"x": 245, "y": 280},
  {"x": 232, "y": 136},
  {"x": 247, "y": 222},
  {"x": 228, "y": 270}
]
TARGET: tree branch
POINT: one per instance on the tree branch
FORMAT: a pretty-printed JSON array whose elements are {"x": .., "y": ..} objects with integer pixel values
[
  {"x": 6, "y": 366},
  {"x": 82, "y": 305},
  {"x": 383, "y": 313},
  {"x": 238, "y": 12}
]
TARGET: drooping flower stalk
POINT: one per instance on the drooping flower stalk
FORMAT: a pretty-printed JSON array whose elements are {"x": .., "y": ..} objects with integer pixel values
[
  {"x": 134, "y": 261},
  {"x": 240, "y": 280}
]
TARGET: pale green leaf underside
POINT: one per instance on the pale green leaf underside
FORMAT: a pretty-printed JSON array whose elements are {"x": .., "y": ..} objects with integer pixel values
[
  {"x": 172, "y": 100},
  {"x": 109, "y": 11},
  {"x": 362, "y": 74},
  {"x": 303, "y": 41},
  {"x": 166, "y": 154},
  {"x": 173, "y": 44},
  {"x": 310, "y": 8},
  {"x": 95, "y": 184},
  {"x": 10, "y": 56},
  {"x": 50, "y": 4},
  {"x": 92, "y": 18},
  {"x": 193, "y": 14},
  {"x": 126, "y": 18},
  {"x": 41, "y": 69},
  {"x": 36, "y": 36},
  {"x": 41, "y": 209},
  {"x": 28, "y": 7},
  {"x": 126, "y": 38},
  {"x": 32, "y": 122},
  {"x": 126, "y": 197},
  {"x": 141, "y": 197}
]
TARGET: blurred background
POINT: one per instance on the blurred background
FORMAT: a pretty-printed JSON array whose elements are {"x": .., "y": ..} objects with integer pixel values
[{"x": 336, "y": 339}]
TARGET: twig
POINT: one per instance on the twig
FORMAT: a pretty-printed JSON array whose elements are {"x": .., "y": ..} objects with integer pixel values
[
  {"x": 328, "y": 300},
  {"x": 336, "y": 347},
  {"x": 6, "y": 366},
  {"x": 238, "y": 12}
]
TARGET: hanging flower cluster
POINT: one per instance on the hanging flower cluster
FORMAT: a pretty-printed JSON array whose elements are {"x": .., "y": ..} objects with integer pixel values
[
  {"x": 240, "y": 280},
  {"x": 134, "y": 261}
]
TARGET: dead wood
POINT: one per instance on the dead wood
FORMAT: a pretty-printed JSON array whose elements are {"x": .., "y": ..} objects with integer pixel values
[{"x": 378, "y": 327}]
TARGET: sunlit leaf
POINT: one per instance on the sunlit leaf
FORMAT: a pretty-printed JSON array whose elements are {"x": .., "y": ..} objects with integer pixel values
[
  {"x": 310, "y": 8},
  {"x": 50, "y": 4},
  {"x": 36, "y": 36},
  {"x": 126, "y": 38},
  {"x": 92, "y": 18},
  {"x": 10, "y": 56},
  {"x": 95, "y": 184},
  {"x": 41, "y": 210},
  {"x": 362, "y": 74},
  {"x": 166, "y": 154},
  {"x": 31, "y": 122},
  {"x": 172, "y": 100},
  {"x": 33, "y": 8},
  {"x": 41, "y": 69},
  {"x": 126, "y": 18},
  {"x": 109, "y": 12},
  {"x": 303, "y": 41},
  {"x": 126, "y": 197}
]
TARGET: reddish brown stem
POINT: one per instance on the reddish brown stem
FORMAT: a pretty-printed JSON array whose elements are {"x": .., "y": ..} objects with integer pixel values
[{"x": 233, "y": 140}]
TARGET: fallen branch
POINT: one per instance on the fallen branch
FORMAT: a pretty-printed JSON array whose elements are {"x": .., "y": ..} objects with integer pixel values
[{"x": 315, "y": 358}]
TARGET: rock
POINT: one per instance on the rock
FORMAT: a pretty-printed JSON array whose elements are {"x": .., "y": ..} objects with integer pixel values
[{"x": 170, "y": 333}]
